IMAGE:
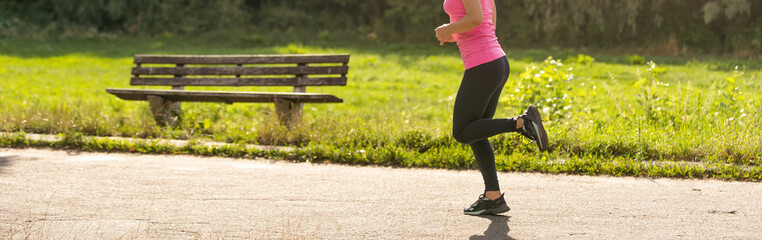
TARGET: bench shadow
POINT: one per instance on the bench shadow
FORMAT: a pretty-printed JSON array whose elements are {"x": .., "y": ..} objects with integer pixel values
[
  {"x": 497, "y": 229},
  {"x": 5, "y": 161}
]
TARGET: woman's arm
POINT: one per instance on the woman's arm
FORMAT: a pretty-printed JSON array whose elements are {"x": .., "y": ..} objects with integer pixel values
[
  {"x": 471, "y": 20},
  {"x": 494, "y": 14}
]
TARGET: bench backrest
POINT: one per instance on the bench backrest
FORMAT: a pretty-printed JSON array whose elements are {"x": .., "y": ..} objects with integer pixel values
[{"x": 241, "y": 70}]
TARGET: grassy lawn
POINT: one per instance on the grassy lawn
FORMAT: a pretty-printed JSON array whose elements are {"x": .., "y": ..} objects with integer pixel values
[{"x": 616, "y": 115}]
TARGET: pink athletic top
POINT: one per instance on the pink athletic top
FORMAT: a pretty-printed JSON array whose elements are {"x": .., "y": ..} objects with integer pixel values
[{"x": 479, "y": 45}]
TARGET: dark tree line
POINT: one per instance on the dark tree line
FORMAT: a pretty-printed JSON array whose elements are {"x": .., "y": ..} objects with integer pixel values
[{"x": 707, "y": 25}]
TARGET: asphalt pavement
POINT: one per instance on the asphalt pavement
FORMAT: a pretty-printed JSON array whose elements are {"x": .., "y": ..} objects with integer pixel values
[{"x": 56, "y": 194}]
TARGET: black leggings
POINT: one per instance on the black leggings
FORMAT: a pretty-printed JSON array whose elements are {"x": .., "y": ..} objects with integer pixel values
[{"x": 475, "y": 106}]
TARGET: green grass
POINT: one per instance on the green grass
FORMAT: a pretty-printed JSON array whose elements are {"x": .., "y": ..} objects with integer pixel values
[{"x": 694, "y": 118}]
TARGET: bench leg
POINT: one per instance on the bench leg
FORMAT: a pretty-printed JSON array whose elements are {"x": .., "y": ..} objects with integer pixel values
[
  {"x": 165, "y": 112},
  {"x": 289, "y": 112}
]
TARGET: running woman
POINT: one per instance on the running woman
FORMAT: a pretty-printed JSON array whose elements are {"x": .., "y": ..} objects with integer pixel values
[{"x": 472, "y": 27}]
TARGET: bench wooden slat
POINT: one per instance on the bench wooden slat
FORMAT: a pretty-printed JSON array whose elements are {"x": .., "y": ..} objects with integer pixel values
[
  {"x": 222, "y": 96},
  {"x": 241, "y": 59},
  {"x": 234, "y": 70},
  {"x": 337, "y": 81},
  {"x": 238, "y": 70}
]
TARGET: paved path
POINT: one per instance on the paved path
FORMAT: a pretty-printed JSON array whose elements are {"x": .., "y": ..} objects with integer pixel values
[{"x": 58, "y": 194}]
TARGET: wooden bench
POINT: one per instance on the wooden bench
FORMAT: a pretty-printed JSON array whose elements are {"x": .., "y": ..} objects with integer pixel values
[{"x": 234, "y": 70}]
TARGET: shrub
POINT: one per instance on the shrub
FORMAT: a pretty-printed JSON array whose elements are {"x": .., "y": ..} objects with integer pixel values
[
  {"x": 546, "y": 86},
  {"x": 636, "y": 60}
]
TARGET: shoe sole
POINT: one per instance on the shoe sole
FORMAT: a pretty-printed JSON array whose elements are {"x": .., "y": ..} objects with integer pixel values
[
  {"x": 537, "y": 123},
  {"x": 492, "y": 211}
]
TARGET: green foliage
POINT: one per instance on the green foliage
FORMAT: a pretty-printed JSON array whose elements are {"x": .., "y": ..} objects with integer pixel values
[
  {"x": 582, "y": 59},
  {"x": 653, "y": 96},
  {"x": 695, "y": 24},
  {"x": 680, "y": 119},
  {"x": 174, "y": 16},
  {"x": 636, "y": 60},
  {"x": 548, "y": 86},
  {"x": 668, "y": 27},
  {"x": 713, "y": 10},
  {"x": 423, "y": 141},
  {"x": 730, "y": 94},
  {"x": 451, "y": 158},
  {"x": 388, "y": 20}
]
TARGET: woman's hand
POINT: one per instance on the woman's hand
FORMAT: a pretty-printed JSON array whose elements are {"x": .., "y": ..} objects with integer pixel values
[
  {"x": 468, "y": 22},
  {"x": 443, "y": 35}
]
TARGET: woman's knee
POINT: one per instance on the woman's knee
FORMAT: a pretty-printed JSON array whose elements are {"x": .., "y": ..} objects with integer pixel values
[{"x": 459, "y": 136}]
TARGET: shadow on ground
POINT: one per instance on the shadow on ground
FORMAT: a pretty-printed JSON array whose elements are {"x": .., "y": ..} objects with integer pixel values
[
  {"x": 5, "y": 161},
  {"x": 497, "y": 229}
]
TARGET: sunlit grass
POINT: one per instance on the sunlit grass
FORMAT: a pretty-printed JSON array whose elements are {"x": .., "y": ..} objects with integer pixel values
[{"x": 616, "y": 117}]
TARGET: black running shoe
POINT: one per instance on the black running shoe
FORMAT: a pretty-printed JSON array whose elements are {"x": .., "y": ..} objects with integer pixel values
[
  {"x": 484, "y": 206},
  {"x": 533, "y": 128}
]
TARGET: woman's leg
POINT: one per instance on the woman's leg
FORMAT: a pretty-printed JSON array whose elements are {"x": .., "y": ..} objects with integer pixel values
[
  {"x": 475, "y": 106},
  {"x": 476, "y": 102}
]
